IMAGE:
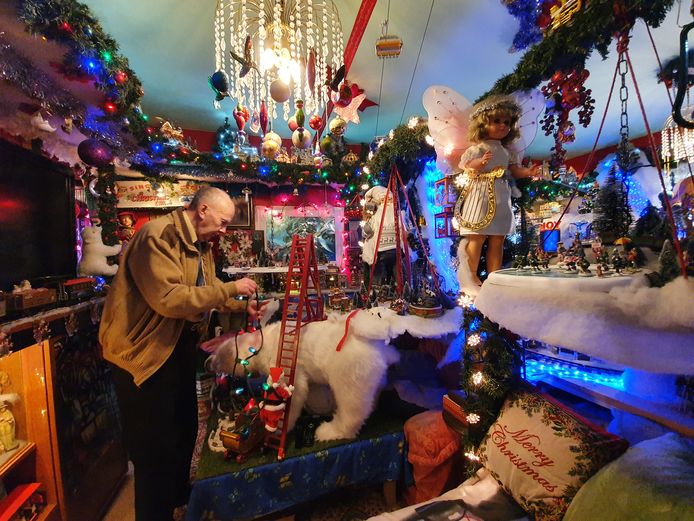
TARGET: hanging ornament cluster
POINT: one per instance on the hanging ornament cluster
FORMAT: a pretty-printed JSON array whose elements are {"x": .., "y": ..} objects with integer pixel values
[
  {"x": 301, "y": 138},
  {"x": 564, "y": 92}
]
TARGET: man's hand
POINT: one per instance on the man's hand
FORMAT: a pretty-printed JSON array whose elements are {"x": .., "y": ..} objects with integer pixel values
[
  {"x": 246, "y": 286},
  {"x": 255, "y": 312}
]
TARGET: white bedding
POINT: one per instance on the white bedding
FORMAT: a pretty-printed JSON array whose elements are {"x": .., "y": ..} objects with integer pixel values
[{"x": 482, "y": 495}]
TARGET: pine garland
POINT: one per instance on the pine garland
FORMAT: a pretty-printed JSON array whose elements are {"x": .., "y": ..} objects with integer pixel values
[
  {"x": 491, "y": 368},
  {"x": 568, "y": 47},
  {"x": 107, "y": 203},
  {"x": 407, "y": 149},
  {"x": 91, "y": 52}
]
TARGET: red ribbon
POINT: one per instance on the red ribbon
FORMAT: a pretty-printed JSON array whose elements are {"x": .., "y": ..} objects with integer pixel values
[{"x": 344, "y": 337}]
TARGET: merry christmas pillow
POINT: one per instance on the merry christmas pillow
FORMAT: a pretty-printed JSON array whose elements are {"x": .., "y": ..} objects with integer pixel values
[{"x": 541, "y": 454}]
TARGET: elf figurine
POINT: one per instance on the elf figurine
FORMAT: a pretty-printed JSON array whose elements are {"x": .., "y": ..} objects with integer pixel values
[{"x": 275, "y": 395}]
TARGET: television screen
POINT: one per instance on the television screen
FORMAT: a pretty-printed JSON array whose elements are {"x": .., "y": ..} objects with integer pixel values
[
  {"x": 550, "y": 239},
  {"x": 37, "y": 217}
]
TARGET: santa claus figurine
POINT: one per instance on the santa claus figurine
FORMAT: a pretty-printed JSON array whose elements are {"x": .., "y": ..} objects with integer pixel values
[{"x": 276, "y": 393}]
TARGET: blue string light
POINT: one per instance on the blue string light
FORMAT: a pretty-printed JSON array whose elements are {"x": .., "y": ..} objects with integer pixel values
[{"x": 539, "y": 366}]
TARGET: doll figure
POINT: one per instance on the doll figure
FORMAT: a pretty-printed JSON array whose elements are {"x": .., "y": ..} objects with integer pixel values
[
  {"x": 333, "y": 145},
  {"x": 126, "y": 226},
  {"x": 274, "y": 399},
  {"x": 384, "y": 272},
  {"x": 483, "y": 211}
]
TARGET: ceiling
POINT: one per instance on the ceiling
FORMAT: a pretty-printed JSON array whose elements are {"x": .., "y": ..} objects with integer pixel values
[{"x": 169, "y": 44}]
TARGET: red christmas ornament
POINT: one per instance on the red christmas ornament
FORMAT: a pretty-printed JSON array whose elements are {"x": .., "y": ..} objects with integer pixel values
[
  {"x": 120, "y": 77},
  {"x": 315, "y": 122}
]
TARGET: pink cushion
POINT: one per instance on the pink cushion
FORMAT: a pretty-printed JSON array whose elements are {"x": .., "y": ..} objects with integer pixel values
[{"x": 541, "y": 453}]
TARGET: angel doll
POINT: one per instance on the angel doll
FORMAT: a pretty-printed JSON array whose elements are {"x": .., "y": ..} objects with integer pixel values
[
  {"x": 488, "y": 139},
  {"x": 483, "y": 211}
]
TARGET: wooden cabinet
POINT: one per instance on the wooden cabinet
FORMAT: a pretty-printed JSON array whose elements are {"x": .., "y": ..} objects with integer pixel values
[
  {"x": 24, "y": 373},
  {"x": 67, "y": 414}
]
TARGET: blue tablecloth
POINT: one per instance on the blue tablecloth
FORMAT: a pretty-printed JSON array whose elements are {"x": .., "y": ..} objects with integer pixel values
[{"x": 268, "y": 488}]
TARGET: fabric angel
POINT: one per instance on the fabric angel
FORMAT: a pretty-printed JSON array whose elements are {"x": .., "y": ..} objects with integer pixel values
[{"x": 488, "y": 139}]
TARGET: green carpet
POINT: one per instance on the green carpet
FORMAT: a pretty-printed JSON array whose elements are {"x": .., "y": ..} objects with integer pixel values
[{"x": 214, "y": 463}]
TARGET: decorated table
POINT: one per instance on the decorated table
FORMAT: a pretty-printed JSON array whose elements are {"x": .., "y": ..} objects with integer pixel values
[{"x": 224, "y": 489}]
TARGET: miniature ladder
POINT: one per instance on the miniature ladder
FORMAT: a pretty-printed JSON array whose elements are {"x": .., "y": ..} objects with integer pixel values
[{"x": 303, "y": 303}]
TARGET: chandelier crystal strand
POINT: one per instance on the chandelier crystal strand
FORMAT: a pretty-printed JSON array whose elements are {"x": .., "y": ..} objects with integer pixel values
[
  {"x": 293, "y": 53},
  {"x": 217, "y": 47}
]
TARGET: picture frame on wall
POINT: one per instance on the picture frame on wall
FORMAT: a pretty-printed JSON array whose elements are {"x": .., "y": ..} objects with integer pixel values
[{"x": 243, "y": 217}]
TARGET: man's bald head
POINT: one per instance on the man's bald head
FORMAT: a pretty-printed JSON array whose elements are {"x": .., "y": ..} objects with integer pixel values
[{"x": 211, "y": 210}]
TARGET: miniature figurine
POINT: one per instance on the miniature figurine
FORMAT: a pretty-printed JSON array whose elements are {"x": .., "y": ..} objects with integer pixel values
[{"x": 275, "y": 395}]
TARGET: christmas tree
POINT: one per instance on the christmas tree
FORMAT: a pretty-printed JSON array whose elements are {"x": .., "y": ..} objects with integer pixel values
[
  {"x": 588, "y": 202},
  {"x": 612, "y": 212},
  {"x": 669, "y": 268},
  {"x": 651, "y": 228}
]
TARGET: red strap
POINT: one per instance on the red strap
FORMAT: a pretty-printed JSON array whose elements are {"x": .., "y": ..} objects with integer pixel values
[
  {"x": 344, "y": 337},
  {"x": 358, "y": 29}
]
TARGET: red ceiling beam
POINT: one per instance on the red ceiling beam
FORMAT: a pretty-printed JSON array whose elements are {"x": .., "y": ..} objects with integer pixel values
[{"x": 358, "y": 29}]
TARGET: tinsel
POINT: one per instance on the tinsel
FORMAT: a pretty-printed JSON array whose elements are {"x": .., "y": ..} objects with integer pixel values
[
  {"x": 19, "y": 71},
  {"x": 568, "y": 47},
  {"x": 528, "y": 33}
]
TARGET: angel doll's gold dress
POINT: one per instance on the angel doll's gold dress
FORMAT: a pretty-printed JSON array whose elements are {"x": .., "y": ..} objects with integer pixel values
[{"x": 484, "y": 205}]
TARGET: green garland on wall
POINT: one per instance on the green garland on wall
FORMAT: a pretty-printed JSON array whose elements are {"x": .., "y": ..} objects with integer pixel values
[
  {"x": 407, "y": 149},
  {"x": 91, "y": 53},
  {"x": 107, "y": 204},
  {"x": 568, "y": 47}
]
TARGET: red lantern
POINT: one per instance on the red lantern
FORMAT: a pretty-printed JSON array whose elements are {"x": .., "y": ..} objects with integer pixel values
[
  {"x": 444, "y": 192},
  {"x": 443, "y": 224}
]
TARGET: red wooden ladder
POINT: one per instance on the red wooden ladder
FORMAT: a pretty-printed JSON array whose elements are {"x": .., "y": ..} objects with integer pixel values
[{"x": 303, "y": 303}]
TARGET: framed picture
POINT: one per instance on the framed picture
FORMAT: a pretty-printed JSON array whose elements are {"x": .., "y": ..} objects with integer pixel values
[{"x": 244, "y": 212}]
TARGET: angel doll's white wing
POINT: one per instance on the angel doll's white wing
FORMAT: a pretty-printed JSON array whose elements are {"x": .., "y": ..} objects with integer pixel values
[
  {"x": 532, "y": 103},
  {"x": 449, "y": 117}
]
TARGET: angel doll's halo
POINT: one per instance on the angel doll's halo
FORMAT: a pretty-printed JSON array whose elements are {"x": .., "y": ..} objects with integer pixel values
[{"x": 494, "y": 103}]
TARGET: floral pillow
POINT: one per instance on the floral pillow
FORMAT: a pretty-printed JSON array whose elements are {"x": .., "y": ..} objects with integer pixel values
[{"x": 541, "y": 453}]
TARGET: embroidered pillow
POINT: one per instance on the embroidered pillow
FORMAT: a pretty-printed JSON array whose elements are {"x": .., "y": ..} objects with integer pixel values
[{"x": 541, "y": 453}]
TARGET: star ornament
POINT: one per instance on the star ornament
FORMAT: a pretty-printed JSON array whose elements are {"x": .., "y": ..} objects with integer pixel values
[{"x": 350, "y": 112}]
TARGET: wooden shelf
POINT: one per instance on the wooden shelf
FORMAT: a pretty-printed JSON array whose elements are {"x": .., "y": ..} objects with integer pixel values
[{"x": 9, "y": 460}]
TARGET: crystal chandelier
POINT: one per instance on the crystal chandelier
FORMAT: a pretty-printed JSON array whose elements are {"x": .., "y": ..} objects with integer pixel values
[
  {"x": 287, "y": 48},
  {"x": 678, "y": 142}
]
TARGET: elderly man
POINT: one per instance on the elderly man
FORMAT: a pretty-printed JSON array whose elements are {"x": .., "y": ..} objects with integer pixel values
[{"x": 163, "y": 290}]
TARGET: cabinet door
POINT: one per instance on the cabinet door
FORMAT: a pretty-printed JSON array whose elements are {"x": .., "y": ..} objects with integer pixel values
[
  {"x": 92, "y": 459},
  {"x": 29, "y": 458}
]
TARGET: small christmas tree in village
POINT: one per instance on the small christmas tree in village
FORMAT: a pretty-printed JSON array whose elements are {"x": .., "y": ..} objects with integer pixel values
[
  {"x": 588, "y": 202},
  {"x": 669, "y": 267},
  {"x": 651, "y": 228},
  {"x": 612, "y": 212}
]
